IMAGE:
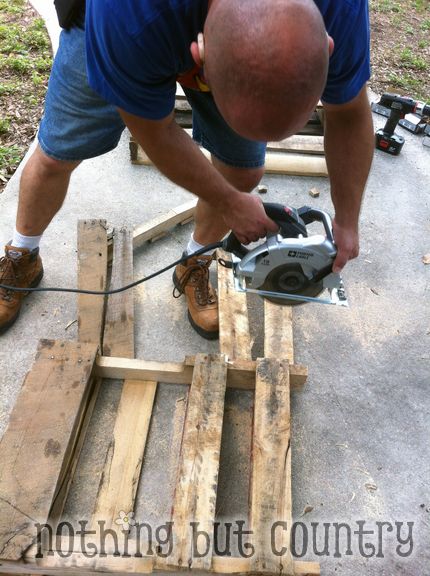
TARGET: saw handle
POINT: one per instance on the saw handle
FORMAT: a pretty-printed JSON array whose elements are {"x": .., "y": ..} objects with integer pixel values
[
  {"x": 290, "y": 223},
  {"x": 309, "y": 215},
  {"x": 288, "y": 219}
]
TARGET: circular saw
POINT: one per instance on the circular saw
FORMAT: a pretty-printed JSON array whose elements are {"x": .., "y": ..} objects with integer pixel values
[{"x": 290, "y": 267}]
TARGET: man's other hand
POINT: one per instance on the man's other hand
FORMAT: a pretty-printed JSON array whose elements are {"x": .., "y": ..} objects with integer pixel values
[{"x": 347, "y": 242}]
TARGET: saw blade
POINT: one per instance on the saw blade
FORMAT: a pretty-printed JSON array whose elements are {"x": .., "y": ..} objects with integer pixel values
[{"x": 290, "y": 279}]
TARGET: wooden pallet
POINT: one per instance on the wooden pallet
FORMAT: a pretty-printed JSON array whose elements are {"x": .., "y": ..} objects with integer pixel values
[
  {"x": 299, "y": 155},
  {"x": 40, "y": 449}
]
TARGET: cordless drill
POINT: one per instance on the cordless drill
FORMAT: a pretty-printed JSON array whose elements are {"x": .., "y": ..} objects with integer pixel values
[{"x": 386, "y": 139}]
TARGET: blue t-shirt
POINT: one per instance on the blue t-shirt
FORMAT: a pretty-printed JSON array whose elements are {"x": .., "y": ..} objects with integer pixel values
[{"x": 137, "y": 49}]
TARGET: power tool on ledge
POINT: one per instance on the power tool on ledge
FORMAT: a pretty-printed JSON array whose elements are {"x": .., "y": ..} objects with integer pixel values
[
  {"x": 289, "y": 267},
  {"x": 386, "y": 138}
]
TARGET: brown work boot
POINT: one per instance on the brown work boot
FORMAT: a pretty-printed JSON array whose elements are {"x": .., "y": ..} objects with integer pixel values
[
  {"x": 192, "y": 279},
  {"x": 21, "y": 268}
]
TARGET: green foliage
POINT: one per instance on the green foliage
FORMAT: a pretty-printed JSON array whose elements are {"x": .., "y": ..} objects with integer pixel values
[
  {"x": 10, "y": 157},
  {"x": 8, "y": 88},
  {"x": 410, "y": 60},
  {"x": 4, "y": 125}
]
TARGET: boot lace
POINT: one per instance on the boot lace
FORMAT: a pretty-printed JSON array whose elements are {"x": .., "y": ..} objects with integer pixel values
[
  {"x": 8, "y": 276},
  {"x": 198, "y": 275}
]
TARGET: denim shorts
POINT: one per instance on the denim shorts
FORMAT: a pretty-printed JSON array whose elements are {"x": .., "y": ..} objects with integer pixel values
[{"x": 77, "y": 124}]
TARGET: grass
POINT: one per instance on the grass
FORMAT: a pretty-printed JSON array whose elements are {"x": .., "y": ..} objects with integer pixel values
[
  {"x": 10, "y": 157},
  {"x": 411, "y": 60},
  {"x": 25, "y": 63},
  {"x": 401, "y": 47}
]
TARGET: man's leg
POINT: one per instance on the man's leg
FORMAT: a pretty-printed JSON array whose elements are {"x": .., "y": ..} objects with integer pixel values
[
  {"x": 76, "y": 125},
  {"x": 192, "y": 277},
  {"x": 209, "y": 225},
  {"x": 241, "y": 162},
  {"x": 43, "y": 187}
]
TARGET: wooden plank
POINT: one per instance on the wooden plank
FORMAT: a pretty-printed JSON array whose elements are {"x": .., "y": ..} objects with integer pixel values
[
  {"x": 295, "y": 164},
  {"x": 92, "y": 238},
  {"x": 196, "y": 488},
  {"x": 138, "y": 549},
  {"x": 124, "y": 458},
  {"x": 226, "y": 565},
  {"x": 121, "y": 473},
  {"x": 271, "y": 468},
  {"x": 41, "y": 431},
  {"x": 276, "y": 163},
  {"x": 118, "y": 339},
  {"x": 234, "y": 337},
  {"x": 278, "y": 331},
  {"x": 69, "y": 467},
  {"x": 240, "y": 373},
  {"x": 80, "y": 564},
  {"x": 162, "y": 223},
  {"x": 300, "y": 144},
  {"x": 92, "y": 265}
]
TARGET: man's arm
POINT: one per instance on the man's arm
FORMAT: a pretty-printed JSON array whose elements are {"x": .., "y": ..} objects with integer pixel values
[
  {"x": 349, "y": 144},
  {"x": 180, "y": 159}
]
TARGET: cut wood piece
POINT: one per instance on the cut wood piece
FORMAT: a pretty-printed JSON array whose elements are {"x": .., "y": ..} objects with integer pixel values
[
  {"x": 121, "y": 473},
  {"x": 118, "y": 337},
  {"x": 271, "y": 469},
  {"x": 291, "y": 164},
  {"x": 240, "y": 373},
  {"x": 163, "y": 223},
  {"x": 296, "y": 164},
  {"x": 278, "y": 331},
  {"x": 196, "y": 488},
  {"x": 92, "y": 265},
  {"x": 234, "y": 338},
  {"x": 41, "y": 432}
]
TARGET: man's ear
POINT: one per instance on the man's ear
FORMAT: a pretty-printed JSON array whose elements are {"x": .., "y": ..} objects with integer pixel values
[
  {"x": 198, "y": 50},
  {"x": 330, "y": 45}
]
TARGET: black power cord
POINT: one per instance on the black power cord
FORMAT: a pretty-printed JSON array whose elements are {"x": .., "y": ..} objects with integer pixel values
[{"x": 207, "y": 248}]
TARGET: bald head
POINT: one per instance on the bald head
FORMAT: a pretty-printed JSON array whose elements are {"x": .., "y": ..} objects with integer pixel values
[{"x": 266, "y": 62}]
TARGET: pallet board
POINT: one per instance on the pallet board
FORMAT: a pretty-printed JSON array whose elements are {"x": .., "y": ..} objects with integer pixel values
[
  {"x": 196, "y": 486},
  {"x": 271, "y": 468},
  {"x": 92, "y": 265},
  {"x": 235, "y": 340},
  {"x": 92, "y": 272},
  {"x": 276, "y": 163},
  {"x": 124, "y": 458},
  {"x": 74, "y": 370},
  {"x": 40, "y": 434},
  {"x": 299, "y": 155}
]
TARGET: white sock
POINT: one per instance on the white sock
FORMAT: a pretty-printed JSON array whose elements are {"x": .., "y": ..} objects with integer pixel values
[
  {"x": 21, "y": 241},
  {"x": 193, "y": 246}
]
